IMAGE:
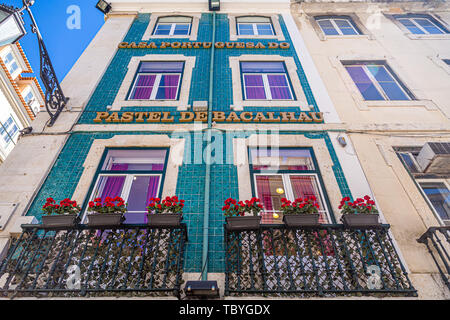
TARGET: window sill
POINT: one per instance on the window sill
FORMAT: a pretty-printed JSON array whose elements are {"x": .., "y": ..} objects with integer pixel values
[
  {"x": 428, "y": 36},
  {"x": 427, "y": 104},
  {"x": 353, "y": 36}
]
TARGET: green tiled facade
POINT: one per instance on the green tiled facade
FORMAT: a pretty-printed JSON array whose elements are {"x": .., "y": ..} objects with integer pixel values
[{"x": 65, "y": 174}]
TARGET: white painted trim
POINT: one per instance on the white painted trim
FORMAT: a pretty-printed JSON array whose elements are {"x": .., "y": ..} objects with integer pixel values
[
  {"x": 154, "y": 18},
  {"x": 318, "y": 88}
]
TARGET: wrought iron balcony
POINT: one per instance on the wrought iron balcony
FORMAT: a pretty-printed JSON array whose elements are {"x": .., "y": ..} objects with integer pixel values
[
  {"x": 437, "y": 240},
  {"x": 302, "y": 262},
  {"x": 111, "y": 261}
]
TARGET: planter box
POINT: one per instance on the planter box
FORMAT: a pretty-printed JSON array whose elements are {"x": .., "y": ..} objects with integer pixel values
[
  {"x": 105, "y": 219},
  {"x": 360, "y": 220},
  {"x": 60, "y": 221},
  {"x": 301, "y": 220},
  {"x": 164, "y": 220},
  {"x": 243, "y": 223}
]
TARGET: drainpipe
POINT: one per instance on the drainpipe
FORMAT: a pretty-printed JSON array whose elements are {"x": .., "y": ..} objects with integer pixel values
[{"x": 208, "y": 160}]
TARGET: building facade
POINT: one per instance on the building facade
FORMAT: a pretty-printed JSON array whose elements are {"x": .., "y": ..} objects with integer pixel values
[
  {"x": 292, "y": 100},
  {"x": 21, "y": 96}
]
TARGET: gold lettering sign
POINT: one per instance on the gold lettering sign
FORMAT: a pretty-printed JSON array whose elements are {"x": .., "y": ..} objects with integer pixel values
[
  {"x": 203, "y": 45},
  {"x": 217, "y": 116}
]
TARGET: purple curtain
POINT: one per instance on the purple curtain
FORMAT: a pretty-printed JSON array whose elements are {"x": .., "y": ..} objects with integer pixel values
[
  {"x": 119, "y": 167},
  {"x": 303, "y": 186},
  {"x": 171, "y": 85},
  {"x": 263, "y": 187},
  {"x": 157, "y": 167},
  {"x": 144, "y": 87},
  {"x": 254, "y": 87},
  {"x": 113, "y": 187},
  {"x": 279, "y": 87}
]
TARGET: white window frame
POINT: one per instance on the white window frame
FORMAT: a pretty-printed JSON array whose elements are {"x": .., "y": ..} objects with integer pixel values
[
  {"x": 412, "y": 19},
  {"x": 125, "y": 194},
  {"x": 447, "y": 185},
  {"x": 155, "y": 86},
  {"x": 375, "y": 81},
  {"x": 336, "y": 27},
  {"x": 255, "y": 29},
  {"x": 267, "y": 86},
  {"x": 10, "y": 63},
  {"x": 172, "y": 28},
  {"x": 154, "y": 17},
  {"x": 289, "y": 193}
]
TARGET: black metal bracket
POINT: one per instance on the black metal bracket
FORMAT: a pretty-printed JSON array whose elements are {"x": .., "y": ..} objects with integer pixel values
[{"x": 55, "y": 100}]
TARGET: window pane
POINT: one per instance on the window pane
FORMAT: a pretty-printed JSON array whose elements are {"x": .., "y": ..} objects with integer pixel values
[
  {"x": 168, "y": 87},
  {"x": 175, "y": 19},
  {"x": 363, "y": 82},
  {"x": 253, "y": 20},
  {"x": 161, "y": 66},
  {"x": 109, "y": 186},
  {"x": 345, "y": 26},
  {"x": 327, "y": 27},
  {"x": 439, "y": 196},
  {"x": 262, "y": 67},
  {"x": 163, "y": 29},
  {"x": 135, "y": 160},
  {"x": 144, "y": 87},
  {"x": 264, "y": 29},
  {"x": 281, "y": 159},
  {"x": 181, "y": 29},
  {"x": 409, "y": 162},
  {"x": 254, "y": 87},
  {"x": 306, "y": 186},
  {"x": 142, "y": 189},
  {"x": 411, "y": 26},
  {"x": 245, "y": 29},
  {"x": 430, "y": 27},
  {"x": 279, "y": 87},
  {"x": 389, "y": 85},
  {"x": 267, "y": 187}
]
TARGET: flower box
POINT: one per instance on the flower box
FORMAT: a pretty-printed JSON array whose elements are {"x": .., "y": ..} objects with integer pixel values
[
  {"x": 105, "y": 219},
  {"x": 243, "y": 223},
  {"x": 60, "y": 221},
  {"x": 164, "y": 219},
  {"x": 360, "y": 220},
  {"x": 301, "y": 220}
]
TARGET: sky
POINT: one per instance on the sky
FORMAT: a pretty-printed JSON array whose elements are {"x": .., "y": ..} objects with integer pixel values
[{"x": 67, "y": 27}]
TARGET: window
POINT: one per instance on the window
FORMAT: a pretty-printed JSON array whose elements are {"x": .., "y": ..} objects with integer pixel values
[
  {"x": 439, "y": 195},
  {"x": 421, "y": 24},
  {"x": 265, "y": 81},
  {"x": 10, "y": 63},
  {"x": 254, "y": 26},
  {"x": 285, "y": 173},
  {"x": 29, "y": 98},
  {"x": 339, "y": 25},
  {"x": 157, "y": 81},
  {"x": 376, "y": 81},
  {"x": 434, "y": 187},
  {"x": 8, "y": 130},
  {"x": 136, "y": 175},
  {"x": 173, "y": 26}
]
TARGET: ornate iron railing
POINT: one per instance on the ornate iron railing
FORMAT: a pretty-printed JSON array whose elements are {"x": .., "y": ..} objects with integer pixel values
[
  {"x": 111, "y": 261},
  {"x": 439, "y": 237},
  {"x": 328, "y": 261}
]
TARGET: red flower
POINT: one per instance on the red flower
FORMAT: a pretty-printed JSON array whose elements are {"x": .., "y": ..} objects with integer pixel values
[{"x": 91, "y": 204}]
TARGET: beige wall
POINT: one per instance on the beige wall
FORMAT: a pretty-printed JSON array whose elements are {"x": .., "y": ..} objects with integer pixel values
[{"x": 375, "y": 128}]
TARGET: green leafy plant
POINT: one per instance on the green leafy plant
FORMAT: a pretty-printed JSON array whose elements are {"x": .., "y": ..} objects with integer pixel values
[
  {"x": 110, "y": 205},
  {"x": 360, "y": 205},
  {"x": 66, "y": 206},
  {"x": 233, "y": 208},
  {"x": 168, "y": 205},
  {"x": 308, "y": 205}
]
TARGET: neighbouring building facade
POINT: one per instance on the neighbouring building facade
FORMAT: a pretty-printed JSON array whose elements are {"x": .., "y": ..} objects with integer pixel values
[
  {"x": 21, "y": 97},
  {"x": 265, "y": 99}
]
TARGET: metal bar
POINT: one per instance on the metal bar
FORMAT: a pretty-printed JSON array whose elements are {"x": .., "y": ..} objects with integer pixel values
[
  {"x": 131, "y": 258},
  {"x": 55, "y": 263},
  {"x": 288, "y": 265},
  {"x": 144, "y": 248}
]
